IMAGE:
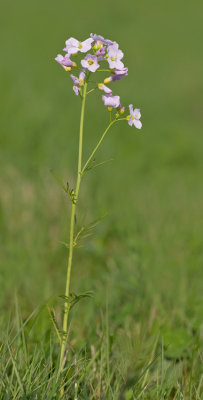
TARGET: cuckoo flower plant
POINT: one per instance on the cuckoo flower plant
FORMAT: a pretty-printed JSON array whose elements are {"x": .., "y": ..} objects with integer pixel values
[{"x": 96, "y": 57}]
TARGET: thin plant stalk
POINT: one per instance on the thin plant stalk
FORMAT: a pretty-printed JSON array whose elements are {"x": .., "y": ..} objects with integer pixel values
[
  {"x": 80, "y": 172},
  {"x": 72, "y": 223},
  {"x": 99, "y": 143}
]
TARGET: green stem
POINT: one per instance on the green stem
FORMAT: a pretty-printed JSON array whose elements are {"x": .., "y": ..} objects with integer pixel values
[
  {"x": 97, "y": 146},
  {"x": 103, "y": 70},
  {"x": 71, "y": 237},
  {"x": 80, "y": 172}
]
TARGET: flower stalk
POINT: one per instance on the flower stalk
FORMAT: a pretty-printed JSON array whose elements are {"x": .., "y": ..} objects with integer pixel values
[{"x": 71, "y": 235}]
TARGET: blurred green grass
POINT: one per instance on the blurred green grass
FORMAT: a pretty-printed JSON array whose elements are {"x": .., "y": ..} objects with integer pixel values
[{"x": 147, "y": 255}]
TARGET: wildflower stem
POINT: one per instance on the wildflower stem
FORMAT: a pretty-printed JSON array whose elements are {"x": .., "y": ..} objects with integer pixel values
[
  {"x": 80, "y": 172},
  {"x": 97, "y": 146},
  {"x": 103, "y": 70},
  {"x": 71, "y": 236}
]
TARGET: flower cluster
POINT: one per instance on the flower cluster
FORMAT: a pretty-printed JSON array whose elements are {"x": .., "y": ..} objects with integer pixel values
[{"x": 99, "y": 51}]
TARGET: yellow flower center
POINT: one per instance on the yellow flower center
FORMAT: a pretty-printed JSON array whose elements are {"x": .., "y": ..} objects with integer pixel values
[
  {"x": 90, "y": 62},
  {"x": 80, "y": 45},
  {"x": 113, "y": 58}
]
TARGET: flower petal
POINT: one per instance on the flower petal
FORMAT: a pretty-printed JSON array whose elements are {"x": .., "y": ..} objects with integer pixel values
[
  {"x": 59, "y": 58},
  {"x": 137, "y": 113},
  {"x": 86, "y": 45},
  {"x": 75, "y": 79},
  {"x": 76, "y": 90},
  {"x": 82, "y": 75},
  {"x": 71, "y": 46},
  {"x": 66, "y": 61},
  {"x": 72, "y": 42},
  {"x": 105, "y": 88},
  {"x": 137, "y": 123},
  {"x": 131, "y": 108},
  {"x": 111, "y": 101},
  {"x": 101, "y": 39}
]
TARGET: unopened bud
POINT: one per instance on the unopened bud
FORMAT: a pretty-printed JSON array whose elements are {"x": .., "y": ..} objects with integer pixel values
[
  {"x": 67, "y": 69},
  {"x": 74, "y": 65},
  {"x": 100, "y": 86},
  {"x": 128, "y": 117},
  {"x": 107, "y": 80},
  {"x": 122, "y": 110},
  {"x": 98, "y": 45},
  {"x": 117, "y": 115},
  {"x": 110, "y": 109}
]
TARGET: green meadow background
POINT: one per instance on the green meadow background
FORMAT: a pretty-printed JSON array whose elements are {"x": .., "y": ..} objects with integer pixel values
[{"x": 144, "y": 261}]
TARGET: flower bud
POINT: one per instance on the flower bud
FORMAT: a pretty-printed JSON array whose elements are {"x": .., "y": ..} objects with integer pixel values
[
  {"x": 67, "y": 69},
  {"x": 100, "y": 86},
  {"x": 107, "y": 80},
  {"x": 74, "y": 65},
  {"x": 98, "y": 45},
  {"x": 122, "y": 110},
  {"x": 109, "y": 109},
  {"x": 128, "y": 117},
  {"x": 117, "y": 115}
]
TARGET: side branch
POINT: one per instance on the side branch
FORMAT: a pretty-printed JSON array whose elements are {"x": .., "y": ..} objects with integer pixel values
[{"x": 97, "y": 146}]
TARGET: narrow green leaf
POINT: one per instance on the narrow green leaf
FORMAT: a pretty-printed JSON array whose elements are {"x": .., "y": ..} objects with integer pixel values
[
  {"x": 92, "y": 165},
  {"x": 54, "y": 322},
  {"x": 73, "y": 298},
  {"x": 66, "y": 188},
  {"x": 60, "y": 181},
  {"x": 16, "y": 371},
  {"x": 86, "y": 231}
]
